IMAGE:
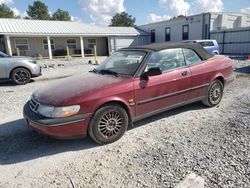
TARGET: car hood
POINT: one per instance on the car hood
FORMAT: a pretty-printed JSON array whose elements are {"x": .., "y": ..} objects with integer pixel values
[
  {"x": 20, "y": 58},
  {"x": 62, "y": 91}
]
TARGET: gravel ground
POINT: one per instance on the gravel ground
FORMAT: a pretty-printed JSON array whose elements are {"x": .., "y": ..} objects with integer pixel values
[{"x": 157, "y": 152}]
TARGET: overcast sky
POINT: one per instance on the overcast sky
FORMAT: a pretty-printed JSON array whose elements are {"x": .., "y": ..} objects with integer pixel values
[{"x": 145, "y": 11}]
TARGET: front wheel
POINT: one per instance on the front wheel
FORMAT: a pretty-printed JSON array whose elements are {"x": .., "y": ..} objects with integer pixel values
[
  {"x": 214, "y": 94},
  {"x": 108, "y": 124},
  {"x": 20, "y": 76}
]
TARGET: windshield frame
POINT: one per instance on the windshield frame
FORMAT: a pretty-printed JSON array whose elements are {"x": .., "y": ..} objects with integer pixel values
[{"x": 99, "y": 68}]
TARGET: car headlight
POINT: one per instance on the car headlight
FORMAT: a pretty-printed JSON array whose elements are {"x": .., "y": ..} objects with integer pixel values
[
  {"x": 58, "y": 112},
  {"x": 32, "y": 61}
]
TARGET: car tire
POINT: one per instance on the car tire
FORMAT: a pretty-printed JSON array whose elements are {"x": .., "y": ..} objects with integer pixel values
[
  {"x": 20, "y": 76},
  {"x": 214, "y": 94},
  {"x": 108, "y": 124}
]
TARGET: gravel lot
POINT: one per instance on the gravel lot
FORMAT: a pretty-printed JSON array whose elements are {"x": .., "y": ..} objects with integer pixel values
[{"x": 160, "y": 151}]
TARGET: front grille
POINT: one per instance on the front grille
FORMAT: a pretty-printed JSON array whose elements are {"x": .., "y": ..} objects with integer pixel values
[{"x": 33, "y": 105}]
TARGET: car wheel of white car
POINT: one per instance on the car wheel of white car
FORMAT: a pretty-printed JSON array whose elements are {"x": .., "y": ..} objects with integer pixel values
[{"x": 20, "y": 76}]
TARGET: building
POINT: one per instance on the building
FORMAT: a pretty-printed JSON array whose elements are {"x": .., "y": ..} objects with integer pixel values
[
  {"x": 48, "y": 39},
  {"x": 221, "y": 20},
  {"x": 194, "y": 27}
]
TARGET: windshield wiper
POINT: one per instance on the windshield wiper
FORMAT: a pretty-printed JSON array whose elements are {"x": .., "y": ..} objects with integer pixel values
[{"x": 108, "y": 71}]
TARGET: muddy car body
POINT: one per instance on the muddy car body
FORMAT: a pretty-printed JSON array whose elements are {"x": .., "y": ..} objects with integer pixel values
[{"x": 131, "y": 84}]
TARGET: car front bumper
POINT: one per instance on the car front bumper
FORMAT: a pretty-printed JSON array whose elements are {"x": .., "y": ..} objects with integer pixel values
[
  {"x": 74, "y": 126},
  {"x": 36, "y": 70}
]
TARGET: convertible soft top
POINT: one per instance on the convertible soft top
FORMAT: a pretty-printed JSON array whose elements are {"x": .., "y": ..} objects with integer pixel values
[{"x": 203, "y": 53}]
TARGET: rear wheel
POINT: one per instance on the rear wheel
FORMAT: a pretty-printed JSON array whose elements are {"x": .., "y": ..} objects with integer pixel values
[
  {"x": 20, "y": 76},
  {"x": 108, "y": 124},
  {"x": 214, "y": 94}
]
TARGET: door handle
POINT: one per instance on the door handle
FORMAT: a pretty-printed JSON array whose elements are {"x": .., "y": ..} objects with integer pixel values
[{"x": 185, "y": 73}]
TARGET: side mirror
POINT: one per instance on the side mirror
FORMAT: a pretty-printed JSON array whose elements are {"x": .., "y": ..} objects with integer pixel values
[{"x": 153, "y": 71}]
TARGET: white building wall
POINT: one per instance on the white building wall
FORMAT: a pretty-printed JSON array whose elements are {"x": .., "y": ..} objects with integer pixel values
[
  {"x": 200, "y": 25},
  {"x": 118, "y": 42},
  {"x": 196, "y": 25},
  {"x": 144, "y": 39},
  {"x": 229, "y": 20}
]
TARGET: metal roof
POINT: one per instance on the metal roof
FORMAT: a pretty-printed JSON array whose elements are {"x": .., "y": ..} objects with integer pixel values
[{"x": 26, "y": 27}]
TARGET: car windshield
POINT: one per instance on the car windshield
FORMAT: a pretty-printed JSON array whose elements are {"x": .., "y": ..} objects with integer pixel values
[
  {"x": 122, "y": 62},
  {"x": 3, "y": 54}
]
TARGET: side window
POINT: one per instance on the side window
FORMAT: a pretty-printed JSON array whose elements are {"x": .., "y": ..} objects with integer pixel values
[
  {"x": 167, "y": 59},
  {"x": 191, "y": 57},
  {"x": 206, "y": 43}
]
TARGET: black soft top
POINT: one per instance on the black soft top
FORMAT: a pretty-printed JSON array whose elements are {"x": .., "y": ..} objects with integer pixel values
[{"x": 204, "y": 54}]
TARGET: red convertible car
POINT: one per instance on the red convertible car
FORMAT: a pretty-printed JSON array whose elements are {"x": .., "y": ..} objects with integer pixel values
[{"x": 133, "y": 83}]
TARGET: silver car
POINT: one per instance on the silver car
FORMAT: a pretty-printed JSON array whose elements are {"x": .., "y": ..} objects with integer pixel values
[{"x": 17, "y": 68}]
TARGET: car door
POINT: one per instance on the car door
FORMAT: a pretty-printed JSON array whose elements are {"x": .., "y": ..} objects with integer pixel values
[
  {"x": 163, "y": 91},
  {"x": 200, "y": 74}
]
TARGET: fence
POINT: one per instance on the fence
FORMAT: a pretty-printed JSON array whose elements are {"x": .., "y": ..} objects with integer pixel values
[{"x": 233, "y": 42}]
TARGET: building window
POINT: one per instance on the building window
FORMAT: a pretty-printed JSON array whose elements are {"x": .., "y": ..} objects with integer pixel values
[
  {"x": 71, "y": 43},
  {"x": 153, "y": 36},
  {"x": 185, "y": 30},
  {"x": 167, "y": 34},
  {"x": 91, "y": 43},
  {"x": 22, "y": 44},
  {"x": 45, "y": 44}
]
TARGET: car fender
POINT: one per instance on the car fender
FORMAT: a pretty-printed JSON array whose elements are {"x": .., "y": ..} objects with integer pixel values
[
  {"x": 217, "y": 75},
  {"x": 115, "y": 99},
  {"x": 10, "y": 70},
  {"x": 216, "y": 52},
  {"x": 15, "y": 65}
]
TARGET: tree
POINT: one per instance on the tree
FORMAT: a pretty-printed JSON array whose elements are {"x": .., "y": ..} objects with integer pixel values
[
  {"x": 6, "y": 12},
  {"x": 177, "y": 17},
  {"x": 38, "y": 11},
  {"x": 61, "y": 15},
  {"x": 123, "y": 19}
]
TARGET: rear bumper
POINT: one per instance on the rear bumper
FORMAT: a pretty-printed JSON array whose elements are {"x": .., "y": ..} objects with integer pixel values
[{"x": 74, "y": 126}]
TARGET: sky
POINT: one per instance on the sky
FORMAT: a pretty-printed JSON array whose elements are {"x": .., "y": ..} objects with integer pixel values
[{"x": 100, "y": 12}]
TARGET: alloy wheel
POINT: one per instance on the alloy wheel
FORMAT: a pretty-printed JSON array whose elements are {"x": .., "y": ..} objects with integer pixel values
[
  {"x": 21, "y": 76},
  {"x": 215, "y": 93},
  {"x": 110, "y": 124}
]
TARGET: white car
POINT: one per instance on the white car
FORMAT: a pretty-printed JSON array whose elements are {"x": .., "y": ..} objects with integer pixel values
[
  {"x": 210, "y": 45},
  {"x": 18, "y": 68}
]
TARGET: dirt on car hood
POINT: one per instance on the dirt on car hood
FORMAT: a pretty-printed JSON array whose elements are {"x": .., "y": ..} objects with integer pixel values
[{"x": 57, "y": 92}]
